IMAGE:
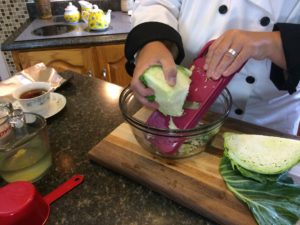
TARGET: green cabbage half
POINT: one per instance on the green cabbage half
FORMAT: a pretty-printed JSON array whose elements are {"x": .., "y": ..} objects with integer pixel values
[
  {"x": 262, "y": 154},
  {"x": 251, "y": 167},
  {"x": 170, "y": 99}
]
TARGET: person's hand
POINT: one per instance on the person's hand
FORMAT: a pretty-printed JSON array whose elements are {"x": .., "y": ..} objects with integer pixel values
[
  {"x": 153, "y": 53},
  {"x": 231, "y": 50}
]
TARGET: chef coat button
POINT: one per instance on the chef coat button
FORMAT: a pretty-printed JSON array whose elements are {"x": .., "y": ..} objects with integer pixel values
[
  {"x": 265, "y": 21},
  {"x": 239, "y": 111},
  {"x": 223, "y": 9},
  {"x": 250, "y": 79}
]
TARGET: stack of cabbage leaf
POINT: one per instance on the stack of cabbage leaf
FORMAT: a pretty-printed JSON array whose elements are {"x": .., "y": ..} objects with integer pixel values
[{"x": 270, "y": 201}]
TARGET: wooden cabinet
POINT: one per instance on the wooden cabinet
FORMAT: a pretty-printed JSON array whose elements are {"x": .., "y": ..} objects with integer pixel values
[
  {"x": 111, "y": 61},
  {"x": 79, "y": 60},
  {"x": 106, "y": 62}
]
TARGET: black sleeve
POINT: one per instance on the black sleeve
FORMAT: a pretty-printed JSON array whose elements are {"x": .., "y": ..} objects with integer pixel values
[
  {"x": 147, "y": 32},
  {"x": 289, "y": 79}
]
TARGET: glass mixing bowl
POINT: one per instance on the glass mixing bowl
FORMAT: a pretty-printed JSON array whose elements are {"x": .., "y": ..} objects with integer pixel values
[{"x": 192, "y": 141}]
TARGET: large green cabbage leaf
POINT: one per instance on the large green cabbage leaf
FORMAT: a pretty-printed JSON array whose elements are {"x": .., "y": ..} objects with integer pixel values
[{"x": 270, "y": 202}]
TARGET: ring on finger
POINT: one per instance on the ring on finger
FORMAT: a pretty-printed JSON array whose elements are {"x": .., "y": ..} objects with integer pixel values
[{"x": 232, "y": 52}]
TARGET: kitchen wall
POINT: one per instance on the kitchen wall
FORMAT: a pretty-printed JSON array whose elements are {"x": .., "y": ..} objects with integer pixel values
[
  {"x": 13, "y": 14},
  {"x": 4, "y": 72}
]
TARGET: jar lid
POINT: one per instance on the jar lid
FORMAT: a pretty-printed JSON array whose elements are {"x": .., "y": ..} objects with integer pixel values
[
  {"x": 71, "y": 7},
  {"x": 96, "y": 9},
  {"x": 85, "y": 4}
]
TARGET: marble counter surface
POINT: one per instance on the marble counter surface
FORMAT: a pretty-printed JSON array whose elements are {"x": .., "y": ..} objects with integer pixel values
[{"x": 105, "y": 197}]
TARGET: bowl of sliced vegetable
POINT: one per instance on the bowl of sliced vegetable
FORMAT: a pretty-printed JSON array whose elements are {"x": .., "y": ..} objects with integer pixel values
[{"x": 158, "y": 132}]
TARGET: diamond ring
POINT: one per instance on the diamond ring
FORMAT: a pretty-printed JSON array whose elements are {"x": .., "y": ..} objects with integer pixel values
[{"x": 232, "y": 52}]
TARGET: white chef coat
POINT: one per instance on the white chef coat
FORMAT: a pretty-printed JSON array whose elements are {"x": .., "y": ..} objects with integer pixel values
[{"x": 199, "y": 21}]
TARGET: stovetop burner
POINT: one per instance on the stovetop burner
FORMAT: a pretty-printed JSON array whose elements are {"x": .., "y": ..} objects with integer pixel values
[{"x": 53, "y": 30}]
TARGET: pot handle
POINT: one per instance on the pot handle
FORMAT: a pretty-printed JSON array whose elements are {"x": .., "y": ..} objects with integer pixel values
[{"x": 64, "y": 188}]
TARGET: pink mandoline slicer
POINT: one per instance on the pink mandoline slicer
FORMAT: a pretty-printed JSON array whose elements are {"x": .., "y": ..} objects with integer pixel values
[{"x": 202, "y": 90}]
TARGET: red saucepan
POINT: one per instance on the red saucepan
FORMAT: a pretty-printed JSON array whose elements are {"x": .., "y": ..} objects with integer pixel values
[{"x": 22, "y": 204}]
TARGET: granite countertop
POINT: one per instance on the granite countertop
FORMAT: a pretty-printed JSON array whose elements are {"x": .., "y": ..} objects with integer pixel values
[
  {"x": 104, "y": 197},
  {"x": 23, "y": 39}
]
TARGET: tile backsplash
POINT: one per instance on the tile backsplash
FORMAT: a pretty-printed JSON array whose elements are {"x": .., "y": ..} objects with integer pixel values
[
  {"x": 13, "y": 14},
  {"x": 58, "y": 6}
]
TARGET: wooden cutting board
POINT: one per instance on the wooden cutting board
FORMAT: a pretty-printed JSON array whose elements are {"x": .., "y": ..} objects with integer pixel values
[{"x": 193, "y": 182}]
